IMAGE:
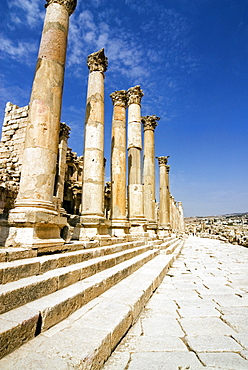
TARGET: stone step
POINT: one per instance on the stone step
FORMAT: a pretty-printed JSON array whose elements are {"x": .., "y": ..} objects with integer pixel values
[
  {"x": 26, "y": 322},
  {"x": 22, "y": 268},
  {"x": 170, "y": 247},
  {"x": 87, "y": 337},
  {"x": 18, "y": 293},
  {"x": 12, "y": 254},
  {"x": 167, "y": 242}
]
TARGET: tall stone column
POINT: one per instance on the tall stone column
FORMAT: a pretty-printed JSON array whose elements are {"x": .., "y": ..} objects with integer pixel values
[
  {"x": 164, "y": 196},
  {"x": 172, "y": 213},
  {"x": 181, "y": 217},
  {"x": 60, "y": 180},
  {"x": 34, "y": 215},
  {"x": 135, "y": 187},
  {"x": 92, "y": 218},
  {"x": 118, "y": 164},
  {"x": 149, "y": 124}
]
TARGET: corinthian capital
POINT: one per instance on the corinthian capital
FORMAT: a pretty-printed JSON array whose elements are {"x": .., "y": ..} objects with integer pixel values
[
  {"x": 150, "y": 122},
  {"x": 97, "y": 61},
  {"x": 119, "y": 98},
  {"x": 134, "y": 95},
  {"x": 64, "y": 130},
  {"x": 162, "y": 161},
  {"x": 70, "y": 5}
]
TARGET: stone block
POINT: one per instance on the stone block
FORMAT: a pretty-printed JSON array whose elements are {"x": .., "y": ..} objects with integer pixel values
[
  {"x": 223, "y": 360},
  {"x": 17, "y": 294},
  {"x": 69, "y": 278},
  {"x": 212, "y": 343},
  {"x": 13, "y": 271},
  {"x": 15, "y": 332},
  {"x": 144, "y": 360}
]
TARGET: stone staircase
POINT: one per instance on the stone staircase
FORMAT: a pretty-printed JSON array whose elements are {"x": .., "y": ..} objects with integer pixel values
[{"x": 69, "y": 310}]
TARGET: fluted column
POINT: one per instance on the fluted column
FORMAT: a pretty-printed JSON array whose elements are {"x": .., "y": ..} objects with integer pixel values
[
  {"x": 118, "y": 163},
  {"x": 135, "y": 187},
  {"x": 35, "y": 197},
  {"x": 93, "y": 173},
  {"x": 164, "y": 193},
  {"x": 149, "y": 124}
]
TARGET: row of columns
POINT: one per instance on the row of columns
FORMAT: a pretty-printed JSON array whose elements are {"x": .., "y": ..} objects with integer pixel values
[
  {"x": 35, "y": 217},
  {"x": 140, "y": 215}
]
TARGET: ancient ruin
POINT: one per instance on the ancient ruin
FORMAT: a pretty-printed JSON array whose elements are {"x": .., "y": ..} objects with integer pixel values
[
  {"x": 40, "y": 199},
  {"x": 66, "y": 236}
]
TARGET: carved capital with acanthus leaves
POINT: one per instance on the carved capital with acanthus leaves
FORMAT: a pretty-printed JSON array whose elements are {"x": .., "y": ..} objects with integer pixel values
[
  {"x": 119, "y": 98},
  {"x": 70, "y": 5},
  {"x": 150, "y": 122},
  {"x": 97, "y": 61},
  {"x": 134, "y": 95},
  {"x": 162, "y": 161}
]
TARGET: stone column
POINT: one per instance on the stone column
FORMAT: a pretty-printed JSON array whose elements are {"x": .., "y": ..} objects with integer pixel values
[
  {"x": 172, "y": 213},
  {"x": 118, "y": 164},
  {"x": 164, "y": 196},
  {"x": 34, "y": 215},
  {"x": 60, "y": 180},
  {"x": 181, "y": 217},
  {"x": 92, "y": 218},
  {"x": 135, "y": 187},
  {"x": 149, "y": 124}
]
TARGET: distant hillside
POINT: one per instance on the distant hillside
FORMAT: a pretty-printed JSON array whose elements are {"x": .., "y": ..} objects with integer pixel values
[{"x": 228, "y": 215}]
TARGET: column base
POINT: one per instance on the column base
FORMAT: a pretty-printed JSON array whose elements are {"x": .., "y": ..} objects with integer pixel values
[
  {"x": 152, "y": 228},
  {"x": 164, "y": 231},
  {"x": 119, "y": 227},
  {"x": 91, "y": 226},
  {"x": 138, "y": 226},
  {"x": 35, "y": 228}
]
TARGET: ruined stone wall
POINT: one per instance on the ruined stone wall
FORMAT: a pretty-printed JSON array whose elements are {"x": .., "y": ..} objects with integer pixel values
[
  {"x": 11, "y": 150},
  {"x": 73, "y": 183}
]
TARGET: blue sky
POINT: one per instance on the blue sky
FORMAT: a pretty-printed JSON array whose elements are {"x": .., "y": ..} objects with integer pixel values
[{"x": 190, "y": 58}]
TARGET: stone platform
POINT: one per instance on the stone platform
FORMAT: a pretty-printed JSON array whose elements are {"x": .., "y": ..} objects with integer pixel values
[
  {"x": 197, "y": 318},
  {"x": 69, "y": 310}
]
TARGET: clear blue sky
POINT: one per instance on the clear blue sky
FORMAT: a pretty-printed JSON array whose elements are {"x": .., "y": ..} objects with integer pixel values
[{"x": 190, "y": 58}]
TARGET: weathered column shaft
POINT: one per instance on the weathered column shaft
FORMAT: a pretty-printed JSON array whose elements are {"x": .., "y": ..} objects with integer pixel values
[
  {"x": 93, "y": 173},
  {"x": 135, "y": 187},
  {"x": 42, "y": 133},
  {"x": 164, "y": 192},
  {"x": 63, "y": 139},
  {"x": 149, "y": 123},
  {"x": 181, "y": 216},
  {"x": 172, "y": 212},
  {"x": 118, "y": 156}
]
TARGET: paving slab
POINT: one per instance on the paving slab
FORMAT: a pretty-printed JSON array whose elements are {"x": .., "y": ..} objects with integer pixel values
[
  {"x": 150, "y": 343},
  {"x": 159, "y": 326},
  {"x": 198, "y": 311},
  {"x": 204, "y": 292},
  {"x": 238, "y": 322},
  {"x": 227, "y": 361},
  {"x": 206, "y": 326},
  {"x": 164, "y": 361},
  {"x": 213, "y": 343},
  {"x": 242, "y": 338}
]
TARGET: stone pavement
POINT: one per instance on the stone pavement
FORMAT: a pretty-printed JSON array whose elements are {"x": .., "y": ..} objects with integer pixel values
[{"x": 197, "y": 318}]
